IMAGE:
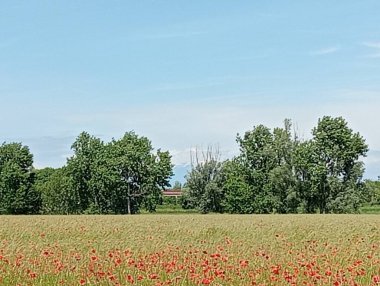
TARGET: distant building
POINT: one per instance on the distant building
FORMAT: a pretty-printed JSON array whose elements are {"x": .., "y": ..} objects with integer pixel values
[{"x": 172, "y": 193}]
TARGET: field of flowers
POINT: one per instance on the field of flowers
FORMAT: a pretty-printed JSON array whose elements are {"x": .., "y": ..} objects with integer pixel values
[{"x": 190, "y": 250}]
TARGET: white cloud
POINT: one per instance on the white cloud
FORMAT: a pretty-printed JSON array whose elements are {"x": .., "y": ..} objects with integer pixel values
[
  {"x": 325, "y": 51},
  {"x": 375, "y": 46},
  {"x": 373, "y": 158},
  {"x": 372, "y": 44},
  {"x": 181, "y": 126},
  {"x": 372, "y": 164}
]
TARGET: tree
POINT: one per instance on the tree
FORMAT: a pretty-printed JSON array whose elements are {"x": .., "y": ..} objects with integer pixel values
[
  {"x": 83, "y": 168},
  {"x": 330, "y": 169},
  {"x": 275, "y": 173},
  {"x": 57, "y": 191},
  {"x": 203, "y": 183},
  {"x": 138, "y": 173},
  {"x": 177, "y": 186},
  {"x": 303, "y": 161},
  {"x": 17, "y": 195},
  {"x": 281, "y": 181},
  {"x": 266, "y": 162},
  {"x": 117, "y": 177},
  {"x": 238, "y": 195},
  {"x": 373, "y": 188}
]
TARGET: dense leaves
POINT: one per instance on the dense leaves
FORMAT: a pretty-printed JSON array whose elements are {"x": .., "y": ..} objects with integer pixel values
[
  {"x": 203, "y": 188},
  {"x": 373, "y": 188},
  {"x": 275, "y": 172},
  {"x": 139, "y": 175},
  {"x": 17, "y": 193},
  {"x": 57, "y": 191},
  {"x": 118, "y": 177}
]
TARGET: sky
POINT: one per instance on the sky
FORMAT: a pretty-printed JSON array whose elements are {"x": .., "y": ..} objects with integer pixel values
[{"x": 185, "y": 74}]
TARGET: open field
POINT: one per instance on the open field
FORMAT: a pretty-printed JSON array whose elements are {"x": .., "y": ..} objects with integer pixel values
[{"x": 190, "y": 250}]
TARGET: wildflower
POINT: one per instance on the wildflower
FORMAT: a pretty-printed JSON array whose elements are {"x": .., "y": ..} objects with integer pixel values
[
  {"x": 376, "y": 279},
  {"x": 130, "y": 279},
  {"x": 243, "y": 263},
  {"x": 153, "y": 276}
]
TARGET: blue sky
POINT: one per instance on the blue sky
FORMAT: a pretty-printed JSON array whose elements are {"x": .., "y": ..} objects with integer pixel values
[{"x": 185, "y": 73}]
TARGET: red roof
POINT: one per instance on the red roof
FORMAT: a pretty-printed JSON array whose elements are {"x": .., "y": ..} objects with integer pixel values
[{"x": 172, "y": 193}]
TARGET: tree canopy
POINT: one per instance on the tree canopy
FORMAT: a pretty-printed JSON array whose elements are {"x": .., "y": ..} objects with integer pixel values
[
  {"x": 117, "y": 177},
  {"x": 274, "y": 172},
  {"x": 17, "y": 193}
]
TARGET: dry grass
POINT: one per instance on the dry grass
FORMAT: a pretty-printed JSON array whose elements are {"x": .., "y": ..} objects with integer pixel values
[{"x": 190, "y": 250}]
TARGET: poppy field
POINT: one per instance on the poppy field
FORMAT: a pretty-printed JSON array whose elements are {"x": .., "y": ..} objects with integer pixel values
[{"x": 190, "y": 250}]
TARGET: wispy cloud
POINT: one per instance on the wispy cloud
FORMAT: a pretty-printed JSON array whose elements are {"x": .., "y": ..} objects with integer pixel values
[
  {"x": 165, "y": 35},
  {"x": 197, "y": 121},
  {"x": 375, "y": 46},
  {"x": 200, "y": 123},
  {"x": 184, "y": 34},
  {"x": 325, "y": 51},
  {"x": 185, "y": 86},
  {"x": 372, "y": 45}
]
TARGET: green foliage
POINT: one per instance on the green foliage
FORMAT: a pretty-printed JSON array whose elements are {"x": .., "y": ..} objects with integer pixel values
[
  {"x": 141, "y": 174},
  {"x": 238, "y": 195},
  {"x": 275, "y": 173},
  {"x": 368, "y": 209},
  {"x": 203, "y": 186},
  {"x": 373, "y": 188},
  {"x": 57, "y": 191},
  {"x": 83, "y": 168},
  {"x": 119, "y": 177},
  {"x": 177, "y": 185},
  {"x": 260, "y": 179},
  {"x": 328, "y": 168},
  {"x": 17, "y": 194}
]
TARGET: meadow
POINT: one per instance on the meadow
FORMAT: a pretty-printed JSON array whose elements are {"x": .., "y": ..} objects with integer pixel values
[{"x": 190, "y": 249}]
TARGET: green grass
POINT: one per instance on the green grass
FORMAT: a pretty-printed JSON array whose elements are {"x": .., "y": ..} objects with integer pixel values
[
  {"x": 173, "y": 209},
  {"x": 370, "y": 209}
]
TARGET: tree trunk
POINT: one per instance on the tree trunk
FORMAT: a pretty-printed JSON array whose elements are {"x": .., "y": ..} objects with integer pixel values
[{"x": 129, "y": 204}]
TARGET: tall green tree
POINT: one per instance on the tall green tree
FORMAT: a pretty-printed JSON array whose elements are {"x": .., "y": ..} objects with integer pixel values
[
  {"x": 329, "y": 168},
  {"x": 118, "y": 177},
  {"x": 83, "y": 169},
  {"x": 57, "y": 191},
  {"x": 281, "y": 181},
  {"x": 338, "y": 168},
  {"x": 266, "y": 164},
  {"x": 17, "y": 194},
  {"x": 203, "y": 183},
  {"x": 139, "y": 174},
  {"x": 304, "y": 159},
  {"x": 238, "y": 195}
]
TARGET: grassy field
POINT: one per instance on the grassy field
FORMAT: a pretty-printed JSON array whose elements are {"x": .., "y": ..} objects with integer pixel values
[
  {"x": 190, "y": 249},
  {"x": 370, "y": 209}
]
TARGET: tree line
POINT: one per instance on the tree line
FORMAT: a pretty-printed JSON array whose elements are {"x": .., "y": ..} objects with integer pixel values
[
  {"x": 117, "y": 177},
  {"x": 275, "y": 172}
]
